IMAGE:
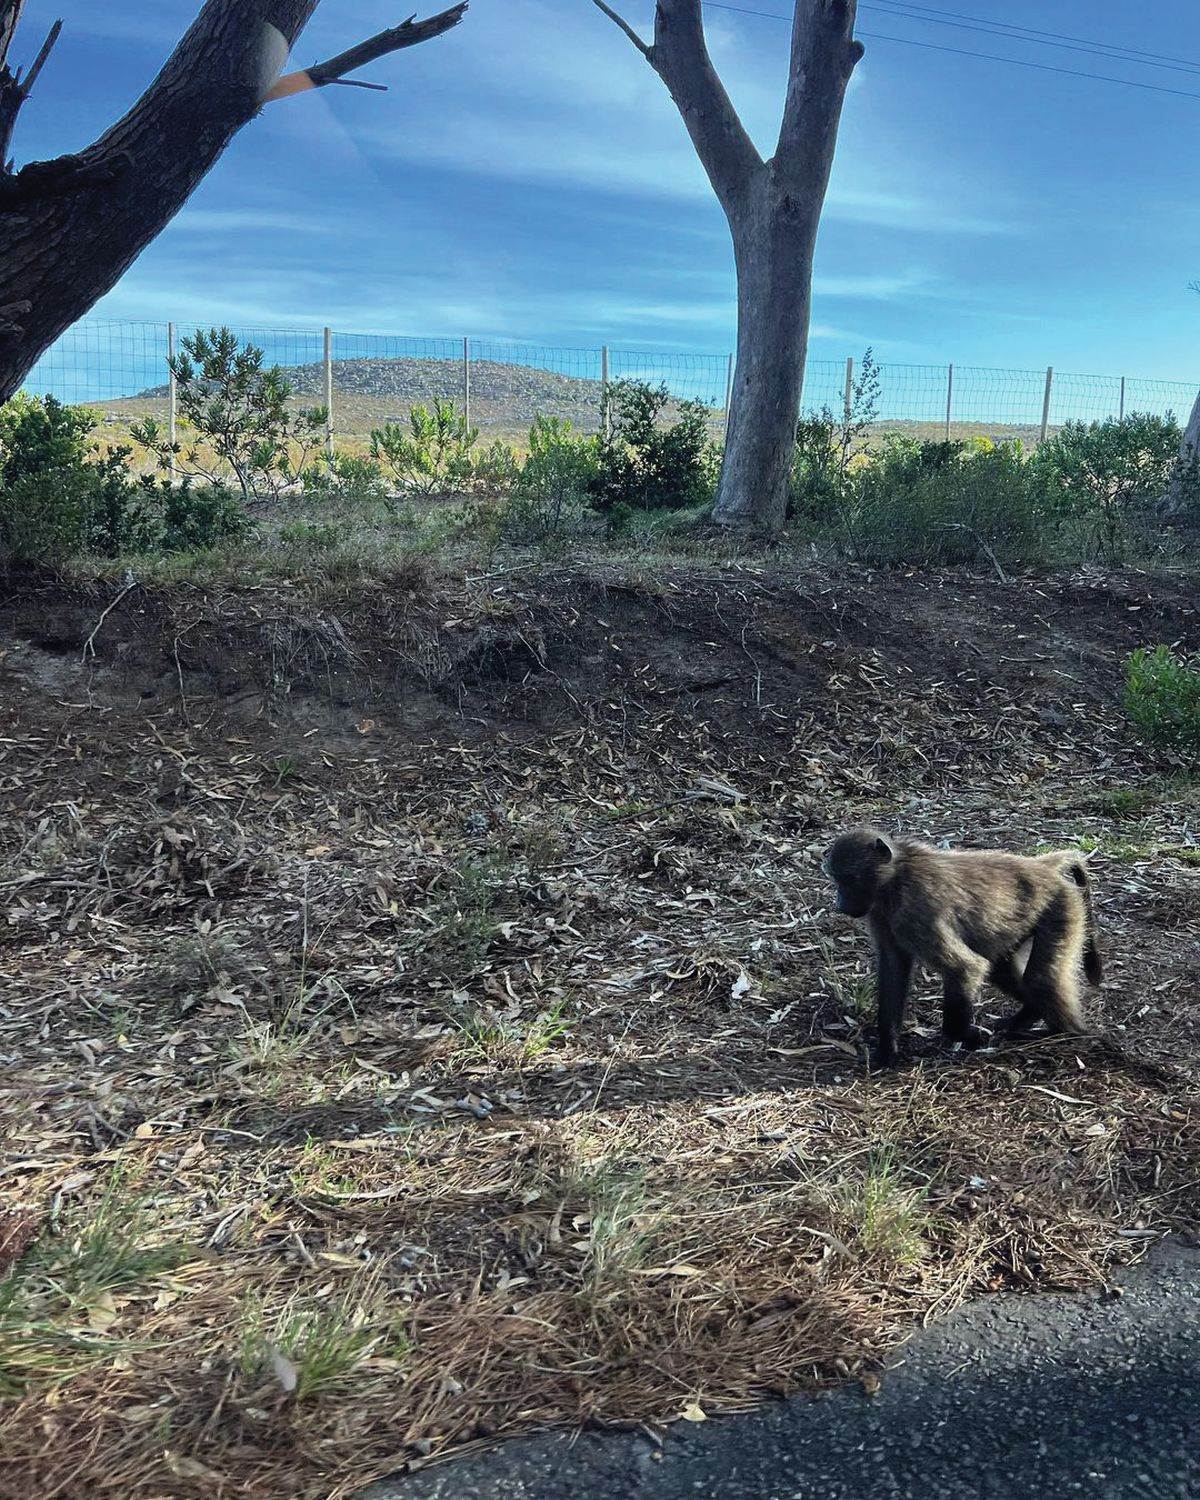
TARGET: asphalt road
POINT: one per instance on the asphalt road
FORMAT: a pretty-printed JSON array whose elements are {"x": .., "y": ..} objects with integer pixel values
[{"x": 1029, "y": 1397}]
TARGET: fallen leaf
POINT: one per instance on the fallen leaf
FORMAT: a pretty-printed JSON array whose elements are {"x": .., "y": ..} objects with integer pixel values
[
  {"x": 285, "y": 1371},
  {"x": 102, "y": 1314}
]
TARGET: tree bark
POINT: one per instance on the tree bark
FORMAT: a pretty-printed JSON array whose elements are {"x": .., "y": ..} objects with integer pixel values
[
  {"x": 773, "y": 209},
  {"x": 70, "y": 228},
  {"x": 773, "y": 243},
  {"x": 1181, "y": 492}
]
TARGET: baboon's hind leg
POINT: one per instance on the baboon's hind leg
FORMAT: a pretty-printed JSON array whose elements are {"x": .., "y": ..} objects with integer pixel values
[
  {"x": 1007, "y": 975},
  {"x": 1051, "y": 978}
]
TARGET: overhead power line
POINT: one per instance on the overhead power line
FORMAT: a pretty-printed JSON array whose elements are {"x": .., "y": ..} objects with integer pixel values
[
  {"x": 1016, "y": 62},
  {"x": 911, "y": 11}
]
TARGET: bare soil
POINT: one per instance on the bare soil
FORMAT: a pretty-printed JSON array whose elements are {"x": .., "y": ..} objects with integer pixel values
[{"x": 437, "y": 990}]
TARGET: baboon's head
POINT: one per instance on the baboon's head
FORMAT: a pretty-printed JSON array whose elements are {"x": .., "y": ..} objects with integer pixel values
[{"x": 857, "y": 862}]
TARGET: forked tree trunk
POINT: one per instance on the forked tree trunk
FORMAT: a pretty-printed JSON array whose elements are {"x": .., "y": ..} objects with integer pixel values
[
  {"x": 69, "y": 228},
  {"x": 773, "y": 209}
]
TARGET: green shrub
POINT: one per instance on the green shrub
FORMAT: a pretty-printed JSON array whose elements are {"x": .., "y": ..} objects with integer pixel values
[
  {"x": 312, "y": 536},
  {"x": 97, "y": 509},
  {"x": 347, "y": 476},
  {"x": 38, "y": 434},
  {"x": 827, "y": 447},
  {"x": 197, "y": 517},
  {"x": 648, "y": 464},
  {"x": 434, "y": 455},
  {"x": 124, "y": 515},
  {"x": 44, "y": 515},
  {"x": 947, "y": 503},
  {"x": 1104, "y": 479},
  {"x": 1162, "y": 696},
  {"x": 238, "y": 410},
  {"x": 497, "y": 468},
  {"x": 551, "y": 490}
]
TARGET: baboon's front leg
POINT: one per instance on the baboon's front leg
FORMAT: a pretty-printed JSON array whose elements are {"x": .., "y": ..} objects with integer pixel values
[{"x": 894, "y": 972}]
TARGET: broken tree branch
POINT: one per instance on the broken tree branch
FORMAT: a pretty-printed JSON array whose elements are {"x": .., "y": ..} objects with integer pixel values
[
  {"x": 333, "y": 70},
  {"x": 14, "y": 90},
  {"x": 57, "y": 178},
  {"x": 39, "y": 61}
]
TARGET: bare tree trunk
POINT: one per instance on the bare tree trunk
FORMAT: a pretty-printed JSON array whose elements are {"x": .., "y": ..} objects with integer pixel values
[
  {"x": 70, "y": 228},
  {"x": 772, "y": 336},
  {"x": 1181, "y": 492},
  {"x": 773, "y": 209}
]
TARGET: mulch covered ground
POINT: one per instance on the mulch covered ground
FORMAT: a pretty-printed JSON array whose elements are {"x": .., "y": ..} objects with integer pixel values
[{"x": 423, "y": 1018}]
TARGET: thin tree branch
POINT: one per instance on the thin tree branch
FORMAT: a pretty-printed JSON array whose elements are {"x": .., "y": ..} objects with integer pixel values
[
  {"x": 408, "y": 34},
  {"x": 680, "y": 57},
  {"x": 620, "y": 21}
]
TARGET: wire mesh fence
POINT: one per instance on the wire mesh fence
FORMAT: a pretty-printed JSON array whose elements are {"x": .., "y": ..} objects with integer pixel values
[{"x": 119, "y": 368}]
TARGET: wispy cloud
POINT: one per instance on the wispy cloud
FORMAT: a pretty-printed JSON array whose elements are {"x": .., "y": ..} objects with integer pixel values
[
  {"x": 247, "y": 220},
  {"x": 916, "y": 212},
  {"x": 882, "y": 287}
]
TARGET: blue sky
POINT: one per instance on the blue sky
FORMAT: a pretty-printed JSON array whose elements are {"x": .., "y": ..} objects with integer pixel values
[{"x": 527, "y": 177}]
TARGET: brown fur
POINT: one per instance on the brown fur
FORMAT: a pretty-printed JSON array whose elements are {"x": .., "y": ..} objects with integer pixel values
[{"x": 970, "y": 915}]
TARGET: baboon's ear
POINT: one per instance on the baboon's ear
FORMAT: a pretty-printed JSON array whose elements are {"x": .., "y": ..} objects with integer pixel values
[{"x": 883, "y": 849}]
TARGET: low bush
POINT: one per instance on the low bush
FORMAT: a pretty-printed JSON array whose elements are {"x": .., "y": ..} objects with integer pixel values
[
  {"x": 58, "y": 498},
  {"x": 550, "y": 492},
  {"x": 44, "y": 515},
  {"x": 942, "y": 503},
  {"x": 1090, "y": 492},
  {"x": 39, "y": 434},
  {"x": 433, "y": 455},
  {"x": 246, "y": 431},
  {"x": 1103, "y": 480},
  {"x": 352, "y": 477},
  {"x": 1162, "y": 696},
  {"x": 197, "y": 517},
  {"x": 828, "y": 450},
  {"x": 648, "y": 463}
]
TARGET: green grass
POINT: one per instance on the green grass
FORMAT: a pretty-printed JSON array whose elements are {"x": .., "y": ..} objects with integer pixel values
[
  {"x": 497, "y": 1039},
  {"x": 885, "y": 1215},
  {"x": 57, "y": 1302},
  {"x": 614, "y": 1225},
  {"x": 313, "y": 1348}
]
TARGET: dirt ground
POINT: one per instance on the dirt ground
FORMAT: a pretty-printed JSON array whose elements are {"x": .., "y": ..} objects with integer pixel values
[{"x": 423, "y": 1017}]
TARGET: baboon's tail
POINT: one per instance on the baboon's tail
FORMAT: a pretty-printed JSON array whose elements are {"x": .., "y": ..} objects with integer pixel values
[{"x": 1092, "y": 965}]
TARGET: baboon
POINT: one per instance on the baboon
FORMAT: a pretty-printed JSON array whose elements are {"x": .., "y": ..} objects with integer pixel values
[{"x": 969, "y": 915}]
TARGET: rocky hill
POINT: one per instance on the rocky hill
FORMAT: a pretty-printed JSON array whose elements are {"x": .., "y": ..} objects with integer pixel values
[{"x": 504, "y": 397}]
